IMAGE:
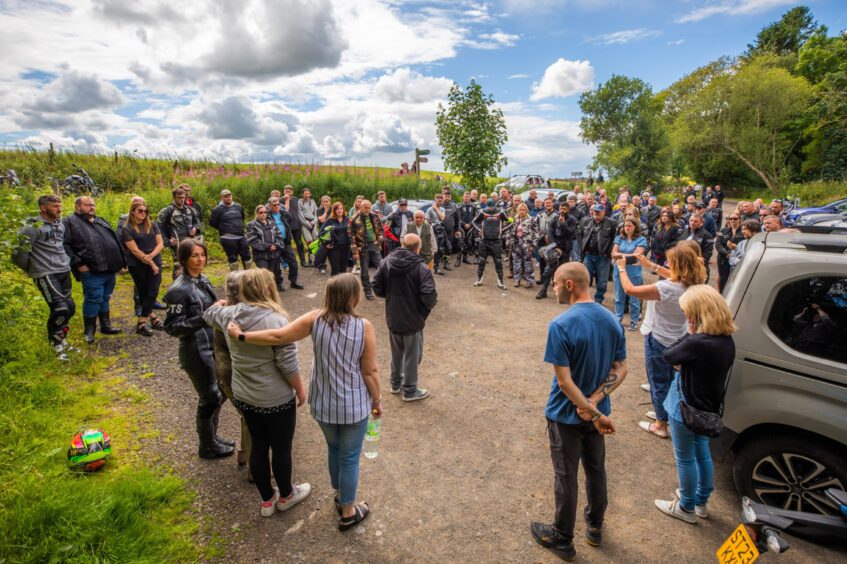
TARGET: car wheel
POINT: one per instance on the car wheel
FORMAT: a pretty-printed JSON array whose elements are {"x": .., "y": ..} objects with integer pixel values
[{"x": 791, "y": 472}]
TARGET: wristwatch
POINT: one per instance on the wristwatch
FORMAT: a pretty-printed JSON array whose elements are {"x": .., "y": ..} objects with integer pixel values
[
  {"x": 597, "y": 415},
  {"x": 242, "y": 336}
]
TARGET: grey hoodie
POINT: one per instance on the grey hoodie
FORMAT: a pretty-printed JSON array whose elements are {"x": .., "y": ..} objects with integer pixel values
[
  {"x": 40, "y": 250},
  {"x": 259, "y": 373}
]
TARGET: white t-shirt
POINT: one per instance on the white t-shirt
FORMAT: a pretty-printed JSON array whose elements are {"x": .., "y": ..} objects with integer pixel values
[{"x": 669, "y": 323}]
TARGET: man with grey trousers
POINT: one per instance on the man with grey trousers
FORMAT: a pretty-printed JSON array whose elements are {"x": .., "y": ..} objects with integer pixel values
[{"x": 407, "y": 285}]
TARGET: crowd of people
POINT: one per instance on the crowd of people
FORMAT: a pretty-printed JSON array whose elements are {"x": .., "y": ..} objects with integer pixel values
[{"x": 243, "y": 348}]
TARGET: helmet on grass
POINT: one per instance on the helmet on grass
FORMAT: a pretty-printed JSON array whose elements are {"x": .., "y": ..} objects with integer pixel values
[{"x": 89, "y": 450}]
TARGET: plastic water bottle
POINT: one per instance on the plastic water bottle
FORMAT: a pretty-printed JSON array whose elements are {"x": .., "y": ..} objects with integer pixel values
[{"x": 371, "y": 446}]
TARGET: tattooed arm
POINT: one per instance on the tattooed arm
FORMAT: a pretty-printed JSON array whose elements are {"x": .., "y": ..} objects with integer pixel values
[{"x": 609, "y": 385}]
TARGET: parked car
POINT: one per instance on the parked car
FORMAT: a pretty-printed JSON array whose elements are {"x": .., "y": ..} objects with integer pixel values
[
  {"x": 524, "y": 182},
  {"x": 558, "y": 195},
  {"x": 785, "y": 411},
  {"x": 415, "y": 205},
  {"x": 838, "y": 206},
  {"x": 816, "y": 218}
]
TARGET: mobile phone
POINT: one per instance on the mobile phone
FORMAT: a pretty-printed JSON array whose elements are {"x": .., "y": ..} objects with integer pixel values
[{"x": 631, "y": 259}]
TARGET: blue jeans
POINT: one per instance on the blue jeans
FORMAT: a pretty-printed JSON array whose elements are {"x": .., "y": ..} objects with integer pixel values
[
  {"x": 598, "y": 269},
  {"x": 693, "y": 465},
  {"x": 344, "y": 443},
  {"x": 659, "y": 374},
  {"x": 636, "y": 277},
  {"x": 97, "y": 288}
]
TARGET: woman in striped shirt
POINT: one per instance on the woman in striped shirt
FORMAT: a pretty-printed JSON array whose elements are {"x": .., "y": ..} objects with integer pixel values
[{"x": 344, "y": 386}]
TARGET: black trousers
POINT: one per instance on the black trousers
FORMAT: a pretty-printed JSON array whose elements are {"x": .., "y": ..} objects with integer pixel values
[
  {"x": 235, "y": 248},
  {"x": 147, "y": 287},
  {"x": 320, "y": 256},
  {"x": 198, "y": 360},
  {"x": 297, "y": 237},
  {"x": 568, "y": 445},
  {"x": 369, "y": 257},
  {"x": 56, "y": 290},
  {"x": 723, "y": 272},
  {"x": 272, "y": 432},
  {"x": 494, "y": 249},
  {"x": 338, "y": 256},
  {"x": 287, "y": 254},
  {"x": 272, "y": 263}
]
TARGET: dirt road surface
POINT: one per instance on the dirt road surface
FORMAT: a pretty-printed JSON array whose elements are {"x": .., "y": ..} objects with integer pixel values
[{"x": 459, "y": 476}]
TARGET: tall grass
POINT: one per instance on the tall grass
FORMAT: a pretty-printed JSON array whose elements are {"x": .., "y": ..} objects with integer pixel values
[{"x": 48, "y": 513}]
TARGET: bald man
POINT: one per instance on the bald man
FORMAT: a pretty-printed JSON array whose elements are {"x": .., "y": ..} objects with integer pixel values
[
  {"x": 407, "y": 285},
  {"x": 587, "y": 348}
]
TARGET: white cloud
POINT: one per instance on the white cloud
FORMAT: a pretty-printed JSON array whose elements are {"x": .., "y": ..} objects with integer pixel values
[
  {"x": 515, "y": 76},
  {"x": 677, "y": 42},
  {"x": 732, "y": 8},
  {"x": 495, "y": 40},
  {"x": 404, "y": 85},
  {"x": 383, "y": 133},
  {"x": 564, "y": 78},
  {"x": 624, "y": 36}
]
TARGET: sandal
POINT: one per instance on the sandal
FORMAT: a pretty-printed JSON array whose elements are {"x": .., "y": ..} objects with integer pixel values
[
  {"x": 142, "y": 329},
  {"x": 361, "y": 513},
  {"x": 155, "y": 322},
  {"x": 651, "y": 428}
]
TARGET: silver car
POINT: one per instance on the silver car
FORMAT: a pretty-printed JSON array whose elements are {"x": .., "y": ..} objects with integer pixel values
[{"x": 785, "y": 411}]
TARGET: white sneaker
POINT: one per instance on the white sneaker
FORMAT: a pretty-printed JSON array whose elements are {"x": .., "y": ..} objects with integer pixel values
[
  {"x": 673, "y": 509},
  {"x": 500, "y": 284},
  {"x": 478, "y": 283},
  {"x": 299, "y": 492},
  {"x": 651, "y": 415},
  {"x": 268, "y": 507},
  {"x": 700, "y": 510},
  {"x": 645, "y": 387}
]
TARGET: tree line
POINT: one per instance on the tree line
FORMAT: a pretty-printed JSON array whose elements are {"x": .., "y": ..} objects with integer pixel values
[{"x": 774, "y": 115}]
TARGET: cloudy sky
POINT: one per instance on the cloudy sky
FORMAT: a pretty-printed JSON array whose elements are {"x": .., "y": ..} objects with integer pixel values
[{"x": 342, "y": 80}]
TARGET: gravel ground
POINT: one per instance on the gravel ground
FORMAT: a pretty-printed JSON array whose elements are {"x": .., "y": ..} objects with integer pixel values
[{"x": 459, "y": 476}]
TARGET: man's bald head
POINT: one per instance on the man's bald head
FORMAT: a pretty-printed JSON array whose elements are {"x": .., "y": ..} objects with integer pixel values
[
  {"x": 570, "y": 282},
  {"x": 412, "y": 242}
]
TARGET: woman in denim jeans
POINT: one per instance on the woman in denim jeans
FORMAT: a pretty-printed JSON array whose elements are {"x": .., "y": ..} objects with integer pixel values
[
  {"x": 344, "y": 387},
  {"x": 631, "y": 242},
  {"x": 685, "y": 268},
  {"x": 703, "y": 359}
]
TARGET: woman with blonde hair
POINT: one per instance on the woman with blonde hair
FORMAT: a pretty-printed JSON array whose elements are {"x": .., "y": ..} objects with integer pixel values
[
  {"x": 144, "y": 244},
  {"x": 668, "y": 324},
  {"x": 266, "y": 388},
  {"x": 344, "y": 387},
  {"x": 524, "y": 238},
  {"x": 703, "y": 358}
]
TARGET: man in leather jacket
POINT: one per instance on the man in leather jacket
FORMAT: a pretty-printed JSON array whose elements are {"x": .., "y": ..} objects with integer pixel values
[
  {"x": 177, "y": 222},
  {"x": 281, "y": 218},
  {"x": 397, "y": 222},
  {"x": 596, "y": 236},
  {"x": 96, "y": 256},
  {"x": 228, "y": 218},
  {"x": 365, "y": 234},
  {"x": 697, "y": 233},
  {"x": 492, "y": 224},
  {"x": 451, "y": 226},
  {"x": 561, "y": 231},
  {"x": 467, "y": 213},
  {"x": 41, "y": 254},
  {"x": 187, "y": 298}
]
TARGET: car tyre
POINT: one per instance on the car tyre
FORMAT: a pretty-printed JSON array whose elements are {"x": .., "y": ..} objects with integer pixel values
[{"x": 790, "y": 471}]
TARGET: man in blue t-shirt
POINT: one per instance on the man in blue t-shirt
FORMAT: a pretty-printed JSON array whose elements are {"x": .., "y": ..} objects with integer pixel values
[{"x": 587, "y": 348}]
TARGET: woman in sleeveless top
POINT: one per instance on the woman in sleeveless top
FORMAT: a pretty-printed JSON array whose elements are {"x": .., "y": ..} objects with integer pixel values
[{"x": 344, "y": 385}]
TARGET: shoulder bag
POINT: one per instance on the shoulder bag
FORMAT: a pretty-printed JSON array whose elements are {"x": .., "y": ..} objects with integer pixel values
[{"x": 698, "y": 421}]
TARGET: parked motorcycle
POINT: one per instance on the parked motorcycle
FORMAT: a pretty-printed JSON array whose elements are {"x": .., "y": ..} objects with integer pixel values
[
  {"x": 766, "y": 523},
  {"x": 79, "y": 184},
  {"x": 10, "y": 178}
]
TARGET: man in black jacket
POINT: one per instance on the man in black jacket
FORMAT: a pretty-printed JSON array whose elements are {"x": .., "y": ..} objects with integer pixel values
[
  {"x": 292, "y": 206},
  {"x": 96, "y": 255},
  {"x": 493, "y": 224},
  {"x": 596, "y": 236},
  {"x": 409, "y": 291},
  {"x": 560, "y": 237},
  {"x": 697, "y": 233},
  {"x": 397, "y": 222},
  {"x": 467, "y": 213},
  {"x": 228, "y": 218},
  {"x": 178, "y": 222}
]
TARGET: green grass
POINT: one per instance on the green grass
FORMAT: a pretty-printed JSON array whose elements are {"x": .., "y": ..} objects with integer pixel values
[{"x": 130, "y": 511}]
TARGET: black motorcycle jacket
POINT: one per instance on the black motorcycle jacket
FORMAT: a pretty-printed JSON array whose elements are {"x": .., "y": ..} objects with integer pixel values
[
  {"x": 176, "y": 223},
  {"x": 467, "y": 213},
  {"x": 260, "y": 237},
  {"x": 228, "y": 220},
  {"x": 187, "y": 299},
  {"x": 93, "y": 244},
  {"x": 493, "y": 223}
]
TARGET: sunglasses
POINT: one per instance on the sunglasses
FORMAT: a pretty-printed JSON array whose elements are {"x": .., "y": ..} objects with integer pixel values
[
  {"x": 263, "y": 213},
  {"x": 141, "y": 210},
  {"x": 734, "y": 218}
]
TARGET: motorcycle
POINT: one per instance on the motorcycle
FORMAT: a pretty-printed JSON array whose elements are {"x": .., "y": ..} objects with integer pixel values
[
  {"x": 790, "y": 203},
  {"x": 10, "y": 178},
  {"x": 79, "y": 184},
  {"x": 766, "y": 523}
]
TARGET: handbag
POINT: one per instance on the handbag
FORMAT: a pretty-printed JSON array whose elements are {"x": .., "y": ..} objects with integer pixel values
[{"x": 698, "y": 421}]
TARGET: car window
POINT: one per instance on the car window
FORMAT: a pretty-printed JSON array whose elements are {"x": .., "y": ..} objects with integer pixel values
[
  {"x": 841, "y": 208},
  {"x": 810, "y": 316}
]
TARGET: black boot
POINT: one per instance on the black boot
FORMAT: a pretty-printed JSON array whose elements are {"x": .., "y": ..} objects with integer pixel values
[
  {"x": 216, "y": 418},
  {"x": 296, "y": 285},
  {"x": 465, "y": 259},
  {"x": 542, "y": 293},
  {"x": 280, "y": 287},
  {"x": 106, "y": 325},
  {"x": 209, "y": 447},
  {"x": 458, "y": 261},
  {"x": 446, "y": 265},
  {"x": 90, "y": 324}
]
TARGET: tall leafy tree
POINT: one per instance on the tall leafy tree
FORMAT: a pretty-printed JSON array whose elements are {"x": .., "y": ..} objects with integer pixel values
[
  {"x": 756, "y": 114},
  {"x": 785, "y": 36},
  {"x": 623, "y": 118},
  {"x": 471, "y": 132}
]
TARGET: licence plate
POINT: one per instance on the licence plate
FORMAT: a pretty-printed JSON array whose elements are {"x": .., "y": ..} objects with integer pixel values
[{"x": 738, "y": 548}]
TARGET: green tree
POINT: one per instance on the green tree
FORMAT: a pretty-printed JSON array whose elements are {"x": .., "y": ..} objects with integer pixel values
[
  {"x": 471, "y": 133},
  {"x": 623, "y": 118},
  {"x": 786, "y": 36},
  {"x": 757, "y": 114}
]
